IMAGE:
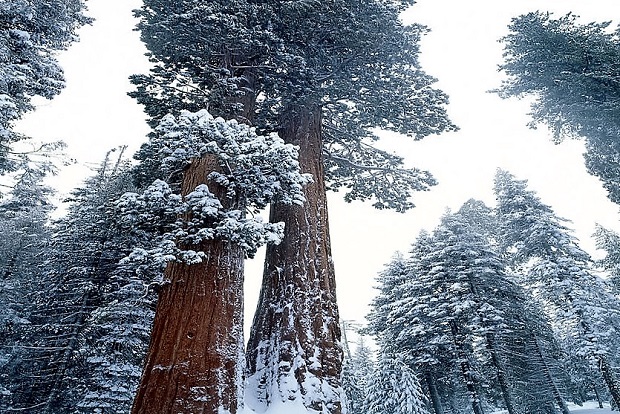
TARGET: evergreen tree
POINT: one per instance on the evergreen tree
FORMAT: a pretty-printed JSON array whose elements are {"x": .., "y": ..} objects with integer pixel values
[
  {"x": 357, "y": 370},
  {"x": 23, "y": 218},
  {"x": 205, "y": 226},
  {"x": 572, "y": 71},
  {"x": 74, "y": 283},
  {"x": 243, "y": 59},
  {"x": 394, "y": 388},
  {"x": 557, "y": 272},
  {"x": 609, "y": 241},
  {"x": 30, "y": 35}
]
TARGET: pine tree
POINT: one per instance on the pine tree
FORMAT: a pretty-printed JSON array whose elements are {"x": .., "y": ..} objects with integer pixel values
[
  {"x": 82, "y": 255},
  {"x": 357, "y": 368},
  {"x": 609, "y": 241},
  {"x": 572, "y": 70},
  {"x": 557, "y": 273},
  {"x": 24, "y": 230}
]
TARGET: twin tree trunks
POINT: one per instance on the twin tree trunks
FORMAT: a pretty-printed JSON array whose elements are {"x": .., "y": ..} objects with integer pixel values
[{"x": 194, "y": 362}]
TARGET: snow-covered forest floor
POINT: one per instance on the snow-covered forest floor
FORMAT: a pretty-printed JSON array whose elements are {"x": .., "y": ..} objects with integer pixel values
[{"x": 589, "y": 407}]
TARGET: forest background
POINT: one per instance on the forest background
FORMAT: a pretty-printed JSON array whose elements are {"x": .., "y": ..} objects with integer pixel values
[{"x": 94, "y": 114}]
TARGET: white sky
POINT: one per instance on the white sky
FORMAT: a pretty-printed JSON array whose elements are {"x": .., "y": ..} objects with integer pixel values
[{"x": 93, "y": 114}]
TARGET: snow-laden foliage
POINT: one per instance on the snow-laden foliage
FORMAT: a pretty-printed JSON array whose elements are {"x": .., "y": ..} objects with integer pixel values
[
  {"x": 558, "y": 274},
  {"x": 571, "y": 69},
  {"x": 31, "y": 32},
  {"x": 393, "y": 388},
  {"x": 243, "y": 59},
  {"x": 248, "y": 171},
  {"x": 609, "y": 241},
  {"x": 88, "y": 318}
]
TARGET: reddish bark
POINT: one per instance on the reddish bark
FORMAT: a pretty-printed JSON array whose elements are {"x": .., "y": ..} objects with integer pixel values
[
  {"x": 194, "y": 361},
  {"x": 294, "y": 349}
]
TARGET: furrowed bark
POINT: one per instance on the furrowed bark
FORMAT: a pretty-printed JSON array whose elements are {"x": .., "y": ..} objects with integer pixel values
[
  {"x": 194, "y": 363},
  {"x": 294, "y": 351}
]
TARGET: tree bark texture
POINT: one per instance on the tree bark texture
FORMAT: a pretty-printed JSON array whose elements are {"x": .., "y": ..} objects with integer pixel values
[
  {"x": 294, "y": 351},
  {"x": 194, "y": 363},
  {"x": 433, "y": 392}
]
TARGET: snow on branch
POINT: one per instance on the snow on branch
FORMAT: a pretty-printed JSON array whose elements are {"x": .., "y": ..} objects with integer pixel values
[{"x": 253, "y": 170}]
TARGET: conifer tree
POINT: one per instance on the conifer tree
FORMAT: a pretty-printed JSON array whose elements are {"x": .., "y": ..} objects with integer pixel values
[
  {"x": 356, "y": 64},
  {"x": 205, "y": 227},
  {"x": 394, "y": 388},
  {"x": 571, "y": 69},
  {"x": 557, "y": 272},
  {"x": 83, "y": 253},
  {"x": 24, "y": 235},
  {"x": 609, "y": 241},
  {"x": 31, "y": 33}
]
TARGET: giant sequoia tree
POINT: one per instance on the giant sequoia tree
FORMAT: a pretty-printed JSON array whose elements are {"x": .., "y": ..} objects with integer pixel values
[
  {"x": 206, "y": 227},
  {"x": 572, "y": 70},
  {"x": 321, "y": 75}
]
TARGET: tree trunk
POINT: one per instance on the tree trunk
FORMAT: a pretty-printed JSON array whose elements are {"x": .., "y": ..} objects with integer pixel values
[
  {"x": 194, "y": 363},
  {"x": 550, "y": 381},
  {"x": 608, "y": 377},
  {"x": 598, "y": 395},
  {"x": 294, "y": 351},
  {"x": 466, "y": 371},
  {"x": 433, "y": 392},
  {"x": 501, "y": 375}
]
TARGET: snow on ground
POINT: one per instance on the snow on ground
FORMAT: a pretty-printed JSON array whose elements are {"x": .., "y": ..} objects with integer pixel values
[{"x": 589, "y": 407}]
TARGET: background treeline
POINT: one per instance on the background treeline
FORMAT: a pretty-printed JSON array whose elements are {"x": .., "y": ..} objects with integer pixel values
[{"x": 497, "y": 308}]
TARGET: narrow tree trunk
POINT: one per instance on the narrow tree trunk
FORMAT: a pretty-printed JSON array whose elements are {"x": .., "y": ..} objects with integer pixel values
[
  {"x": 501, "y": 375},
  {"x": 598, "y": 395},
  {"x": 550, "y": 381},
  {"x": 433, "y": 392},
  {"x": 466, "y": 371},
  {"x": 608, "y": 377},
  {"x": 194, "y": 363},
  {"x": 294, "y": 350}
]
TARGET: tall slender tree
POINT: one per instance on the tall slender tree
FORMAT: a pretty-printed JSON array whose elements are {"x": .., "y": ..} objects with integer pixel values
[{"x": 557, "y": 272}]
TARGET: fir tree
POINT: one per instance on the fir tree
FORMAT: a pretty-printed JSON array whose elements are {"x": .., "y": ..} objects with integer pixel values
[
  {"x": 25, "y": 234},
  {"x": 609, "y": 241},
  {"x": 557, "y": 272},
  {"x": 394, "y": 388},
  {"x": 572, "y": 70}
]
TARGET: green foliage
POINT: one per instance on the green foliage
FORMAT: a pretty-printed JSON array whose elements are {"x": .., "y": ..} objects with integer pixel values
[{"x": 572, "y": 70}]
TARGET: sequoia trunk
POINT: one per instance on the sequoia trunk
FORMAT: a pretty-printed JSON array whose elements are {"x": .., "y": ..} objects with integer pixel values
[
  {"x": 294, "y": 351},
  {"x": 195, "y": 359}
]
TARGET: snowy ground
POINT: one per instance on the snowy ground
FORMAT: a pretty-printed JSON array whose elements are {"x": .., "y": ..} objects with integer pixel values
[{"x": 589, "y": 407}]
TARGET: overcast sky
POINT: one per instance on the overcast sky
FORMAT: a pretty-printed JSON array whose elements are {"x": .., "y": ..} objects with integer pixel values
[{"x": 94, "y": 114}]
